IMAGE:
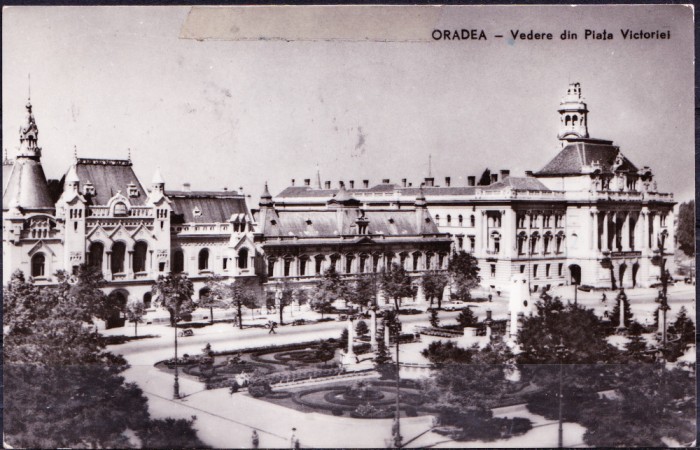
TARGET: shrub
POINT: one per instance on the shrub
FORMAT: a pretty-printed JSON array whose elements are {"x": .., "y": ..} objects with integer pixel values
[
  {"x": 234, "y": 387},
  {"x": 337, "y": 412},
  {"x": 411, "y": 411},
  {"x": 361, "y": 328}
]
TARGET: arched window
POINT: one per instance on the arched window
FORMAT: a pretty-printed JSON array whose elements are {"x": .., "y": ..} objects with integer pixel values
[
  {"x": 178, "y": 261},
  {"x": 203, "y": 259},
  {"x": 95, "y": 255},
  {"x": 243, "y": 258},
  {"x": 204, "y": 293},
  {"x": 38, "y": 265},
  {"x": 460, "y": 219},
  {"x": 472, "y": 220},
  {"x": 117, "y": 260},
  {"x": 147, "y": 300},
  {"x": 449, "y": 220},
  {"x": 437, "y": 219},
  {"x": 567, "y": 120},
  {"x": 522, "y": 237},
  {"x": 120, "y": 209},
  {"x": 574, "y": 120},
  {"x": 140, "y": 252}
]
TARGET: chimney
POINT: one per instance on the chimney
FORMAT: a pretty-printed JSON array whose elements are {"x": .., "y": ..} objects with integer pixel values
[
  {"x": 186, "y": 187},
  {"x": 386, "y": 181},
  {"x": 447, "y": 181},
  {"x": 528, "y": 173},
  {"x": 225, "y": 188},
  {"x": 307, "y": 181},
  {"x": 341, "y": 184},
  {"x": 365, "y": 184},
  {"x": 494, "y": 178},
  {"x": 352, "y": 184},
  {"x": 471, "y": 180},
  {"x": 328, "y": 184},
  {"x": 429, "y": 182},
  {"x": 293, "y": 180},
  {"x": 505, "y": 174},
  {"x": 403, "y": 182}
]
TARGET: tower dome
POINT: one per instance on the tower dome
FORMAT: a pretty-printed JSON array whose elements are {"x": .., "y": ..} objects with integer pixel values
[{"x": 573, "y": 114}]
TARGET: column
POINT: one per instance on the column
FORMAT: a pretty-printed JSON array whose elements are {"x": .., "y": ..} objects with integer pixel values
[
  {"x": 387, "y": 338},
  {"x": 606, "y": 242},
  {"x": 625, "y": 238},
  {"x": 105, "y": 263},
  {"x": 149, "y": 262},
  {"x": 483, "y": 232},
  {"x": 130, "y": 261},
  {"x": 644, "y": 241},
  {"x": 507, "y": 233},
  {"x": 655, "y": 231},
  {"x": 671, "y": 232},
  {"x": 594, "y": 241},
  {"x": 373, "y": 330},
  {"x": 351, "y": 337}
]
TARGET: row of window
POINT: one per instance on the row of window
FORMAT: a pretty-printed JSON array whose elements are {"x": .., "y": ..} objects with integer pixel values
[
  {"x": 520, "y": 220},
  {"x": 535, "y": 267},
  {"x": 460, "y": 220}
]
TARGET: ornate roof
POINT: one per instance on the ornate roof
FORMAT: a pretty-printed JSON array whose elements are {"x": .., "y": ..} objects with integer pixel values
[
  {"x": 108, "y": 176},
  {"x": 26, "y": 186},
  {"x": 519, "y": 184},
  {"x": 585, "y": 156},
  {"x": 206, "y": 207}
]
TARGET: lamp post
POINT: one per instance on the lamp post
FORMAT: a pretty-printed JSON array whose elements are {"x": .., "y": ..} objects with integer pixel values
[
  {"x": 560, "y": 354},
  {"x": 395, "y": 328},
  {"x": 176, "y": 385},
  {"x": 663, "y": 298}
]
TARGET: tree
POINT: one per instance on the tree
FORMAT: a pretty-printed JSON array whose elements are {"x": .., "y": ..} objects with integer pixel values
[
  {"x": 329, "y": 289},
  {"x": 84, "y": 288},
  {"x": 324, "y": 352},
  {"x": 243, "y": 293},
  {"x": 135, "y": 310},
  {"x": 61, "y": 388},
  {"x": 464, "y": 270},
  {"x": 174, "y": 292},
  {"x": 485, "y": 178},
  {"x": 364, "y": 290},
  {"x": 615, "y": 314},
  {"x": 467, "y": 318},
  {"x": 434, "y": 319},
  {"x": 396, "y": 284},
  {"x": 286, "y": 298},
  {"x": 302, "y": 297},
  {"x": 361, "y": 328},
  {"x": 686, "y": 228},
  {"x": 434, "y": 283},
  {"x": 215, "y": 295},
  {"x": 439, "y": 352}
]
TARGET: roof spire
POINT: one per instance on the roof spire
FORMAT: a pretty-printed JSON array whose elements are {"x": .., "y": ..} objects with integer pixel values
[
  {"x": 266, "y": 198},
  {"x": 75, "y": 152},
  {"x": 157, "y": 177},
  {"x": 29, "y": 87},
  {"x": 430, "y": 165},
  {"x": 129, "y": 153},
  {"x": 318, "y": 177}
]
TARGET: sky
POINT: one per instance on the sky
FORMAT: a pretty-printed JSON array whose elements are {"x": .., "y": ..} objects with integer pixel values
[{"x": 219, "y": 112}]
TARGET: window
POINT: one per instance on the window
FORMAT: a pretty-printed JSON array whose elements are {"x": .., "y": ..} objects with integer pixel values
[
  {"x": 117, "y": 260},
  {"x": 520, "y": 220},
  {"x": 662, "y": 217},
  {"x": 120, "y": 209},
  {"x": 560, "y": 269},
  {"x": 334, "y": 261},
  {"x": 302, "y": 266},
  {"x": 493, "y": 270},
  {"x": 441, "y": 260},
  {"x": 416, "y": 261},
  {"x": 403, "y": 257},
  {"x": 545, "y": 243},
  {"x": 161, "y": 267},
  {"x": 375, "y": 263},
  {"x": 140, "y": 252},
  {"x": 178, "y": 261},
  {"x": 472, "y": 243},
  {"x": 348, "y": 263},
  {"x": 38, "y": 265},
  {"x": 522, "y": 268},
  {"x": 460, "y": 219},
  {"x": 147, "y": 300},
  {"x": 429, "y": 260},
  {"x": 521, "y": 243},
  {"x": 95, "y": 255},
  {"x": 449, "y": 220},
  {"x": 558, "y": 241},
  {"x": 546, "y": 270},
  {"x": 546, "y": 220},
  {"x": 533, "y": 221},
  {"x": 243, "y": 258},
  {"x": 287, "y": 266},
  {"x": 472, "y": 221},
  {"x": 203, "y": 263},
  {"x": 460, "y": 242},
  {"x": 271, "y": 267},
  {"x": 132, "y": 190},
  {"x": 319, "y": 263},
  {"x": 363, "y": 263},
  {"x": 534, "y": 270},
  {"x": 224, "y": 263},
  {"x": 437, "y": 219}
]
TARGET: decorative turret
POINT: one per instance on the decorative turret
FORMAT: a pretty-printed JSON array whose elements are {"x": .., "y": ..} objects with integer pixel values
[
  {"x": 158, "y": 183},
  {"x": 29, "y": 136},
  {"x": 266, "y": 198},
  {"x": 573, "y": 114},
  {"x": 421, "y": 210},
  {"x": 72, "y": 182}
]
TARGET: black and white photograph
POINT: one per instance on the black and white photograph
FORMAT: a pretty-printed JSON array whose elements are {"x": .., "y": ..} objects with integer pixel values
[{"x": 349, "y": 226}]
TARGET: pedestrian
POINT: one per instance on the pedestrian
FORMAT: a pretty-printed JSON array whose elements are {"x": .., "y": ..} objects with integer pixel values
[
  {"x": 490, "y": 297},
  {"x": 255, "y": 439},
  {"x": 293, "y": 439},
  {"x": 272, "y": 328},
  {"x": 296, "y": 443},
  {"x": 604, "y": 298}
]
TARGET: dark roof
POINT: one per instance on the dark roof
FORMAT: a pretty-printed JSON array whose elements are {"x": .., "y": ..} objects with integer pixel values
[
  {"x": 109, "y": 176},
  {"x": 585, "y": 152},
  {"x": 438, "y": 190},
  {"x": 518, "y": 183},
  {"x": 26, "y": 184},
  {"x": 6, "y": 170},
  {"x": 214, "y": 207},
  {"x": 326, "y": 223},
  {"x": 308, "y": 191}
]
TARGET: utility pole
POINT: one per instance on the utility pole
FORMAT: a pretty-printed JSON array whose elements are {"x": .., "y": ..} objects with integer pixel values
[{"x": 176, "y": 385}]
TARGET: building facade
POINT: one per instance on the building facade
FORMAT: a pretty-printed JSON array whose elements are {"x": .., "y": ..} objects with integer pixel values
[{"x": 588, "y": 217}]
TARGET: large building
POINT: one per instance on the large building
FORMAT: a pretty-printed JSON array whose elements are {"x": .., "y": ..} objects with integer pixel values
[
  {"x": 589, "y": 216},
  {"x": 100, "y": 214}
]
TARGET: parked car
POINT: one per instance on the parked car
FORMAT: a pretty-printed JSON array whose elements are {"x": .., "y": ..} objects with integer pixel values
[
  {"x": 455, "y": 306},
  {"x": 186, "y": 332}
]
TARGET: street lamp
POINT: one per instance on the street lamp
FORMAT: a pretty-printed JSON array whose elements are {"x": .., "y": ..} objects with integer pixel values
[
  {"x": 663, "y": 298},
  {"x": 395, "y": 329},
  {"x": 176, "y": 385},
  {"x": 560, "y": 353}
]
